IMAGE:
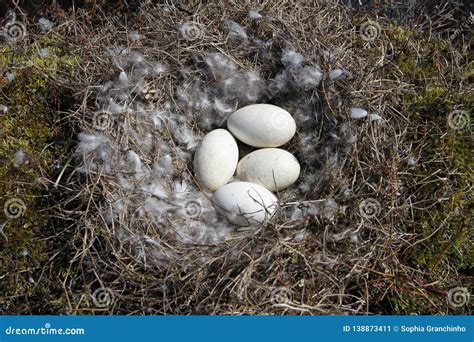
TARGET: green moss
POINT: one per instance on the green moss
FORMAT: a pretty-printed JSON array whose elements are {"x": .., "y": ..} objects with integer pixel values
[
  {"x": 398, "y": 35},
  {"x": 446, "y": 162},
  {"x": 28, "y": 126},
  {"x": 455, "y": 239}
]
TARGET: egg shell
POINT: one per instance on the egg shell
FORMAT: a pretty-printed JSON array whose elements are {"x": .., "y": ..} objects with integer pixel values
[
  {"x": 262, "y": 125},
  {"x": 273, "y": 168},
  {"x": 215, "y": 159},
  {"x": 244, "y": 203}
]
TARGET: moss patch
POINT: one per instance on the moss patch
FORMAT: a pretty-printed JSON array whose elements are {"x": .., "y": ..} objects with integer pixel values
[
  {"x": 32, "y": 145},
  {"x": 442, "y": 180}
]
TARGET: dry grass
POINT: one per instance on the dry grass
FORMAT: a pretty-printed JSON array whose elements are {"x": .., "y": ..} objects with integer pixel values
[{"x": 326, "y": 261}]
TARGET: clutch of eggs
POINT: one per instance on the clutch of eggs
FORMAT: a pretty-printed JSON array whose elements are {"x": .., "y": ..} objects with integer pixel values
[{"x": 268, "y": 169}]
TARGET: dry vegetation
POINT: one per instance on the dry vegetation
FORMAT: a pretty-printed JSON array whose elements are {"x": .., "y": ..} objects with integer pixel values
[{"x": 321, "y": 254}]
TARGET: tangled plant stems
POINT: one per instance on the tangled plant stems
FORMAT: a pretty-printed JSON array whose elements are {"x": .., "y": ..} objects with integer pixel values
[{"x": 374, "y": 205}]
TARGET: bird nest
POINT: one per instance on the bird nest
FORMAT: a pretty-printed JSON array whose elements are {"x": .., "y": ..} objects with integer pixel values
[{"x": 165, "y": 77}]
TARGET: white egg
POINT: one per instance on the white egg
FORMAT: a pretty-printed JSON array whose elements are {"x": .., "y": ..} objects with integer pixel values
[
  {"x": 273, "y": 168},
  {"x": 262, "y": 125},
  {"x": 215, "y": 159},
  {"x": 244, "y": 203}
]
